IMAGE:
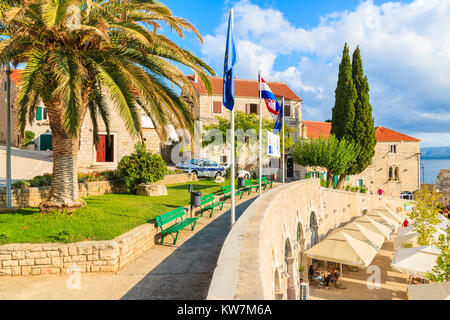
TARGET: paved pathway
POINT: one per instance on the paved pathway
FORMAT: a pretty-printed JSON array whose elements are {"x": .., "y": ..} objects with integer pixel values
[
  {"x": 25, "y": 164},
  {"x": 164, "y": 272}
]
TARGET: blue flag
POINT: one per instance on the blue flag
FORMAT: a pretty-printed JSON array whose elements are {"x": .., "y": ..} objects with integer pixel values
[
  {"x": 279, "y": 123},
  {"x": 228, "y": 74}
]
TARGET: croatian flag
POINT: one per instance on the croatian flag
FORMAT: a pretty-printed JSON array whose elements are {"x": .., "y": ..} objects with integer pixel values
[{"x": 271, "y": 102}]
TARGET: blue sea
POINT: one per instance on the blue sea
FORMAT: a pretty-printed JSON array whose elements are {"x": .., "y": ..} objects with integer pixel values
[{"x": 432, "y": 168}]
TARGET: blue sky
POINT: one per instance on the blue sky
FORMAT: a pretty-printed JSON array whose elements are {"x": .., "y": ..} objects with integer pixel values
[{"x": 405, "y": 48}]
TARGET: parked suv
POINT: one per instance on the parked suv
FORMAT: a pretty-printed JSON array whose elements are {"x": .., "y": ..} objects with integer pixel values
[{"x": 202, "y": 168}]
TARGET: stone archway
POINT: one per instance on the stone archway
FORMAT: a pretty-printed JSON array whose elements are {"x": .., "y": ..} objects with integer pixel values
[
  {"x": 290, "y": 267},
  {"x": 314, "y": 228}
]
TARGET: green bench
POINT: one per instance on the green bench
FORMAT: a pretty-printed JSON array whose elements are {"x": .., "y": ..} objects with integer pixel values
[
  {"x": 226, "y": 191},
  {"x": 209, "y": 204},
  {"x": 174, "y": 215},
  {"x": 248, "y": 185},
  {"x": 265, "y": 182}
]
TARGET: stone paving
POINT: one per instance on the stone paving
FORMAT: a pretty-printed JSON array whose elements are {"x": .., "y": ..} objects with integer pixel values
[
  {"x": 25, "y": 164},
  {"x": 170, "y": 272}
]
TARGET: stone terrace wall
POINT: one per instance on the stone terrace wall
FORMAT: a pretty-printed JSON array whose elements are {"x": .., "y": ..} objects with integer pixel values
[
  {"x": 92, "y": 256},
  {"x": 32, "y": 197},
  {"x": 259, "y": 258}
]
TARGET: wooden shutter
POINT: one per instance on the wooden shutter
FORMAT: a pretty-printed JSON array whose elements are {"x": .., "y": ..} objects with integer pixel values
[
  {"x": 39, "y": 114},
  {"x": 247, "y": 108},
  {"x": 257, "y": 109},
  {"x": 217, "y": 107},
  {"x": 101, "y": 150}
]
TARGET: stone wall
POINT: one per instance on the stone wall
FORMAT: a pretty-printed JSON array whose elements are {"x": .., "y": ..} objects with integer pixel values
[
  {"x": 260, "y": 256},
  {"x": 32, "y": 197},
  {"x": 92, "y": 256}
]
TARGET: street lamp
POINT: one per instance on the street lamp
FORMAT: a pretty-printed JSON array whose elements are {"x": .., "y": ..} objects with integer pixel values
[
  {"x": 423, "y": 172},
  {"x": 8, "y": 135}
]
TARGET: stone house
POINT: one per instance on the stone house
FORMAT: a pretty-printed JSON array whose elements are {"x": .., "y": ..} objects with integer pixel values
[
  {"x": 395, "y": 168},
  {"x": 109, "y": 153},
  {"x": 443, "y": 185},
  {"x": 246, "y": 100}
]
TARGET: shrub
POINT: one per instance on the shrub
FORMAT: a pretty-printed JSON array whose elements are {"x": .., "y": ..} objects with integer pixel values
[
  {"x": 348, "y": 188},
  {"x": 141, "y": 167},
  {"x": 62, "y": 235},
  {"x": 20, "y": 184},
  {"x": 3, "y": 237},
  {"x": 407, "y": 245},
  {"x": 41, "y": 181},
  {"x": 29, "y": 137},
  {"x": 355, "y": 189},
  {"x": 323, "y": 183},
  {"x": 363, "y": 190}
]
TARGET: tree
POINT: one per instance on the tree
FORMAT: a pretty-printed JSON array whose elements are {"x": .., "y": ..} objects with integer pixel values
[
  {"x": 425, "y": 215},
  {"x": 79, "y": 54},
  {"x": 441, "y": 271},
  {"x": 363, "y": 131},
  {"x": 334, "y": 155},
  {"x": 245, "y": 122},
  {"x": 343, "y": 114}
]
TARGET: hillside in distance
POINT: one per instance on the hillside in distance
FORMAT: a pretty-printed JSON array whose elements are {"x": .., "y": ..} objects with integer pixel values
[{"x": 436, "y": 153}]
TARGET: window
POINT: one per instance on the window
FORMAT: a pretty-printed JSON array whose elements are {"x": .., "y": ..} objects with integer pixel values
[
  {"x": 252, "y": 108},
  {"x": 287, "y": 110},
  {"x": 360, "y": 183},
  {"x": 41, "y": 114},
  {"x": 393, "y": 174},
  {"x": 223, "y": 159},
  {"x": 393, "y": 148},
  {"x": 217, "y": 107}
]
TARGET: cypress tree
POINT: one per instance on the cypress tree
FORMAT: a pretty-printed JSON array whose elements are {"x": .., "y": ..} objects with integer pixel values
[
  {"x": 363, "y": 132},
  {"x": 343, "y": 114}
]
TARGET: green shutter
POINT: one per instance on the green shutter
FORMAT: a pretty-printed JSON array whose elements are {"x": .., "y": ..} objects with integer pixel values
[
  {"x": 321, "y": 176},
  {"x": 39, "y": 114},
  {"x": 347, "y": 178}
]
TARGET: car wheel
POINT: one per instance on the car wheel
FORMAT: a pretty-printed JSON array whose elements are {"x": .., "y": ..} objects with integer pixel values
[
  {"x": 195, "y": 173},
  {"x": 218, "y": 174}
]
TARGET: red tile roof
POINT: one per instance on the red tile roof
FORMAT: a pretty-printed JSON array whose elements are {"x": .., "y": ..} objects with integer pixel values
[
  {"x": 246, "y": 88},
  {"x": 315, "y": 129},
  {"x": 16, "y": 75},
  {"x": 385, "y": 134}
]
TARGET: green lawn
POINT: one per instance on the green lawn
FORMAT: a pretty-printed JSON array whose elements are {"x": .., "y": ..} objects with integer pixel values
[{"x": 104, "y": 218}]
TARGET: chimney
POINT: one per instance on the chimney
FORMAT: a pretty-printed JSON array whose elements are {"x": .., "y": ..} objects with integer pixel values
[{"x": 195, "y": 77}]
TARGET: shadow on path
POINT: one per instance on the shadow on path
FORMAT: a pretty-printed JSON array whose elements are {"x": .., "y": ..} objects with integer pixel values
[{"x": 187, "y": 272}]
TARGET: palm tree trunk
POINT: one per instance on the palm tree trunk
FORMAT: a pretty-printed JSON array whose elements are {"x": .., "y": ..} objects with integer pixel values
[{"x": 64, "y": 189}]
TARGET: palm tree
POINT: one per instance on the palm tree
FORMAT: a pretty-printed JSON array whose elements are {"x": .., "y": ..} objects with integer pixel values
[{"x": 89, "y": 55}]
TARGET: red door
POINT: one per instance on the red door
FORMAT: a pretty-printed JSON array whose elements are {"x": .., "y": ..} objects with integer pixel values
[{"x": 101, "y": 150}]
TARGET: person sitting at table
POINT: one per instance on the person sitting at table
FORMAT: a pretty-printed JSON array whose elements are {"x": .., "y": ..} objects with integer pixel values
[
  {"x": 314, "y": 275},
  {"x": 327, "y": 279}
]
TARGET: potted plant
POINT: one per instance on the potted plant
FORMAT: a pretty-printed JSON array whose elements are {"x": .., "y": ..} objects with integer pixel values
[{"x": 28, "y": 142}]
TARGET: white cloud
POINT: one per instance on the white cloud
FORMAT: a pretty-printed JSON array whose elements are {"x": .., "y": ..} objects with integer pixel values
[{"x": 405, "y": 50}]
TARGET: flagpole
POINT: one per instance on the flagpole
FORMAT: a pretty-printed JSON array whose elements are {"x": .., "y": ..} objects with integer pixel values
[
  {"x": 260, "y": 135},
  {"x": 233, "y": 160},
  {"x": 284, "y": 169}
]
